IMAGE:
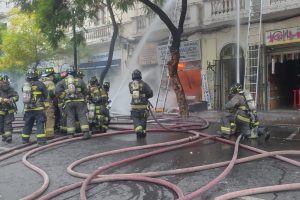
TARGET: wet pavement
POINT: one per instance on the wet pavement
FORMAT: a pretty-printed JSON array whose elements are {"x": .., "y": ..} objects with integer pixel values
[{"x": 17, "y": 181}]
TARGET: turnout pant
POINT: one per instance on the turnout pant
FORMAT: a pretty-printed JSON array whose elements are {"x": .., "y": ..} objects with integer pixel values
[
  {"x": 72, "y": 110},
  {"x": 101, "y": 119},
  {"x": 39, "y": 117},
  {"x": 6, "y": 125},
  {"x": 235, "y": 123},
  {"x": 49, "y": 121},
  {"x": 139, "y": 117}
]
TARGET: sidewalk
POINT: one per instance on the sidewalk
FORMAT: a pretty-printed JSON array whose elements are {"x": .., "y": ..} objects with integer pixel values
[{"x": 278, "y": 117}]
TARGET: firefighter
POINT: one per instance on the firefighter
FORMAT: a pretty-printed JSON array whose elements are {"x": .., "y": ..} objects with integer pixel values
[
  {"x": 106, "y": 87},
  {"x": 97, "y": 107},
  {"x": 8, "y": 98},
  {"x": 73, "y": 90},
  {"x": 242, "y": 117},
  {"x": 140, "y": 92},
  {"x": 56, "y": 104},
  {"x": 34, "y": 95},
  {"x": 80, "y": 74},
  {"x": 48, "y": 80}
]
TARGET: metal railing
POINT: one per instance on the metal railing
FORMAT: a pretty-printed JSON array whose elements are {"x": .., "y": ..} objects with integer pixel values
[
  {"x": 98, "y": 34},
  {"x": 225, "y": 6},
  {"x": 277, "y": 1}
]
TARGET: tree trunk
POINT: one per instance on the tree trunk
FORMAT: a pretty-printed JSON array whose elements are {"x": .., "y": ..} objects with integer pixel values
[
  {"x": 174, "y": 51},
  {"x": 112, "y": 43},
  {"x": 175, "y": 81}
]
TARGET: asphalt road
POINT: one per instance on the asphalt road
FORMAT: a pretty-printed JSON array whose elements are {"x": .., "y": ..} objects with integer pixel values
[{"x": 17, "y": 181}]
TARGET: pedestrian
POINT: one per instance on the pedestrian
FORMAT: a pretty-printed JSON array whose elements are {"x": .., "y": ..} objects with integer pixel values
[
  {"x": 73, "y": 90},
  {"x": 48, "y": 80},
  {"x": 8, "y": 99},
  {"x": 34, "y": 96},
  {"x": 140, "y": 92}
]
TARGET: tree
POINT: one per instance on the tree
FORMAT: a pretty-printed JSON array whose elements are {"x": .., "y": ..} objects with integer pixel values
[
  {"x": 113, "y": 41},
  {"x": 174, "y": 51},
  {"x": 22, "y": 42},
  {"x": 174, "y": 48},
  {"x": 56, "y": 16}
]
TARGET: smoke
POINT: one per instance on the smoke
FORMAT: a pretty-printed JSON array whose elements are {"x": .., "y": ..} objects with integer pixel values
[{"x": 151, "y": 75}]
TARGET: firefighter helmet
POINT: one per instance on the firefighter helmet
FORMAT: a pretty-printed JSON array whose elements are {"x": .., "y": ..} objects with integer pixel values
[
  {"x": 93, "y": 81},
  {"x": 80, "y": 74},
  {"x": 236, "y": 88},
  {"x": 136, "y": 75},
  {"x": 4, "y": 78},
  {"x": 32, "y": 73},
  {"x": 106, "y": 86},
  {"x": 71, "y": 71},
  {"x": 48, "y": 71}
]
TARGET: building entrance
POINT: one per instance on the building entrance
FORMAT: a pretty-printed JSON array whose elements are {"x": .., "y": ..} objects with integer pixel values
[
  {"x": 228, "y": 70},
  {"x": 283, "y": 78}
]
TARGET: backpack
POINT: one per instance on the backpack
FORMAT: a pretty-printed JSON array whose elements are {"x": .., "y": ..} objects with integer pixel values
[{"x": 26, "y": 93}]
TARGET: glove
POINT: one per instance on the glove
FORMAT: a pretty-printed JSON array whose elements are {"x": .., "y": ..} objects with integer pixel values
[{"x": 5, "y": 100}]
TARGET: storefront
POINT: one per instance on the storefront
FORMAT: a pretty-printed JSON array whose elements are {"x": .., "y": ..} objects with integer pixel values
[
  {"x": 283, "y": 67},
  {"x": 96, "y": 64},
  {"x": 189, "y": 67}
]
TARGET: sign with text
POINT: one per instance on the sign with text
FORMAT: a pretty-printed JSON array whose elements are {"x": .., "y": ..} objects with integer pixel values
[
  {"x": 282, "y": 36},
  {"x": 148, "y": 55},
  {"x": 189, "y": 51},
  {"x": 205, "y": 89}
]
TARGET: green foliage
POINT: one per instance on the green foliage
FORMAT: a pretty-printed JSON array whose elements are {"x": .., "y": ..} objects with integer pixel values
[
  {"x": 54, "y": 17},
  {"x": 125, "y": 5},
  {"x": 22, "y": 42}
]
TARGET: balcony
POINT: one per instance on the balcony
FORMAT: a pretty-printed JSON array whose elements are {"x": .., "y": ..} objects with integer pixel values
[
  {"x": 98, "y": 35},
  {"x": 279, "y": 5},
  {"x": 216, "y": 12},
  {"x": 222, "y": 10},
  {"x": 142, "y": 23}
]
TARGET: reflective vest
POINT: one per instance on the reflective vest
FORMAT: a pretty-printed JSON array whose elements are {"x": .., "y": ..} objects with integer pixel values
[
  {"x": 36, "y": 101},
  {"x": 98, "y": 95}
]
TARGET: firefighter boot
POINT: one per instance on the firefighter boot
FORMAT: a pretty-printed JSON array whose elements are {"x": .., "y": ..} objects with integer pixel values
[
  {"x": 8, "y": 139},
  {"x": 264, "y": 132},
  {"x": 253, "y": 133},
  {"x": 86, "y": 135},
  {"x": 141, "y": 134},
  {"x": 223, "y": 135},
  {"x": 25, "y": 141},
  {"x": 42, "y": 141}
]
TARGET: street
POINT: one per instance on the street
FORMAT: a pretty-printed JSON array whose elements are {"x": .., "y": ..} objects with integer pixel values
[{"x": 17, "y": 180}]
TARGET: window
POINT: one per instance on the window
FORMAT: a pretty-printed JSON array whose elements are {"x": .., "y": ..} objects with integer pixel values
[{"x": 141, "y": 23}]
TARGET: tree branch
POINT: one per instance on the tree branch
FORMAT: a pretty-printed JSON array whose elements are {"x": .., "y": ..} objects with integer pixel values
[
  {"x": 182, "y": 16},
  {"x": 162, "y": 15}
]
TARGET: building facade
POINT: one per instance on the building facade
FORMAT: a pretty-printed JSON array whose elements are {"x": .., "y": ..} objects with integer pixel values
[
  {"x": 211, "y": 26},
  {"x": 210, "y": 50}
]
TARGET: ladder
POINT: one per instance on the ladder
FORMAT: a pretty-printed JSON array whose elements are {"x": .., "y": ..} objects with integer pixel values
[
  {"x": 165, "y": 78},
  {"x": 253, "y": 48}
]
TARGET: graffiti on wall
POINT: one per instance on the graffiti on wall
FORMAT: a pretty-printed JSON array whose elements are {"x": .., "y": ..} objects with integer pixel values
[{"x": 282, "y": 36}]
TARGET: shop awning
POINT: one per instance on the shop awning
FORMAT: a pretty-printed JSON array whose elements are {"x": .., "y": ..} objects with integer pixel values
[{"x": 99, "y": 64}]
